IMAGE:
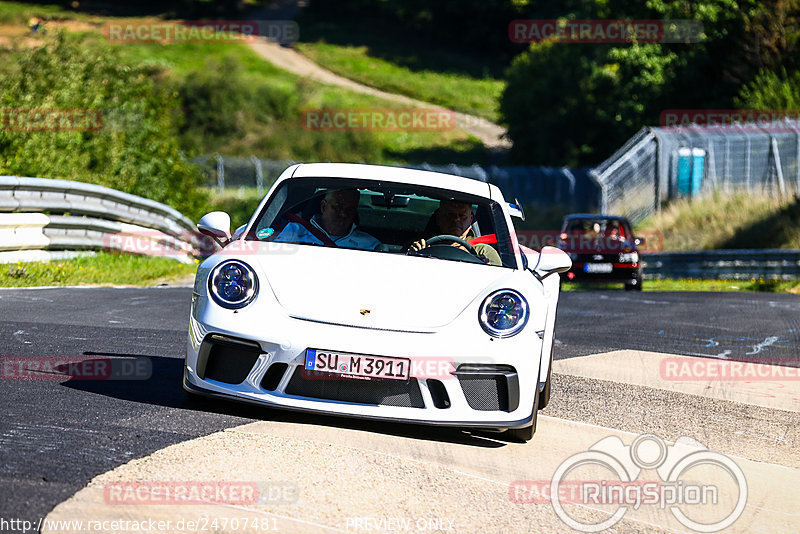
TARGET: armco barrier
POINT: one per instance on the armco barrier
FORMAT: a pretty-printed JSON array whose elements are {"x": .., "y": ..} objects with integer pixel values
[
  {"x": 90, "y": 217},
  {"x": 769, "y": 264}
]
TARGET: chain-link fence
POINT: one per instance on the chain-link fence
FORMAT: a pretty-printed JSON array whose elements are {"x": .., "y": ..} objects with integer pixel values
[
  {"x": 573, "y": 189},
  {"x": 661, "y": 164}
]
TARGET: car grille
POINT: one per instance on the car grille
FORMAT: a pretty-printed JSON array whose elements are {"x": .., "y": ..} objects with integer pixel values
[
  {"x": 485, "y": 393},
  {"x": 380, "y": 392}
]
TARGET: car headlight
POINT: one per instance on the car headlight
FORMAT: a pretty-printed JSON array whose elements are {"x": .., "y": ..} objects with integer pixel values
[
  {"x": 504, "y": 313},
  {"x": 233, "y": 284},
  {"x": 629, "y": 257}
]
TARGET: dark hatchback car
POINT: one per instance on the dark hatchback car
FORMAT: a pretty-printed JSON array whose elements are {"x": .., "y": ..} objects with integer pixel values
[{"x": 602, "y": 248}]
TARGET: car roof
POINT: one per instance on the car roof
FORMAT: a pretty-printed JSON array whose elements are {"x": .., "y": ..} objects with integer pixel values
[
  {"x": 594, "y": 216},
  {"x": 395, "y": 174}
]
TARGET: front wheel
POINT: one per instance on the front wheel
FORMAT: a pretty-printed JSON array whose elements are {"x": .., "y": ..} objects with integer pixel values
[
  {"x": 544, "y": 395},
  {"x": 635, "y": 285},
  {"x": 521, "y": 435},
  {"x": 524, "y": 434}
]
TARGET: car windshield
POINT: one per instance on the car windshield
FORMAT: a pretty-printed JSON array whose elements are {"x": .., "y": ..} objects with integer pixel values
[
  {"x": 597, "y": 227},
  {"x": 384, "y": 217}
]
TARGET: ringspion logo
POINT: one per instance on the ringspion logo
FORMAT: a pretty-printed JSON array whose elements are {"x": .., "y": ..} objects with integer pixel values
[{"x": 704, "y": 490}]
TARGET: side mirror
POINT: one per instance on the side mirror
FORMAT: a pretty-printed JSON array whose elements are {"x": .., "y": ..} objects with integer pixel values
[
  {"x": 216, "y": 224},
  {"x": 551, "y": 260}
]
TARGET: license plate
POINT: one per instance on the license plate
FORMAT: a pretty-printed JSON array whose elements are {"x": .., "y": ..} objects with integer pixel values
[
  {"x": 357, "y": 365},
  {"x": 598, "y": 267}
]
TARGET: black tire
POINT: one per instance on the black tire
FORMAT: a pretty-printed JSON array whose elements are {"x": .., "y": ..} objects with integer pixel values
[
  {"x": 544, "y": 395},
  {"x": 521, "y": 435},
  {"x": 636, "y": 285},
  {"x": 524, "y": 434},
  {"x": 195, "y": 400}
]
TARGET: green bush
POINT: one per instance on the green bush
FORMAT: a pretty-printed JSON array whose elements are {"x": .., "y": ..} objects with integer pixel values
[
  {"x": 771, "y": 91},
  {"x": 221, "y": 102},
  {"x": 136, "y": 149},
  {"x": 575, "y": 104}
]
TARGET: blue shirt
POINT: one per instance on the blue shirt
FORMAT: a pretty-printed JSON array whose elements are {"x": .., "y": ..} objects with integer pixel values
[{"x": 297, "y": 233}]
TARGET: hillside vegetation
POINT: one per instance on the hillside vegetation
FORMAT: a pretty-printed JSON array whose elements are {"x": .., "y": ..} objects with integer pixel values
[
  {"x": 163, "y": 104},
  {"x": 741, "y": 220}
]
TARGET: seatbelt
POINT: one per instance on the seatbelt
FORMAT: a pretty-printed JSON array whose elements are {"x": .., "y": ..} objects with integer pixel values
[
  {"x": 316, "y": 232},
  {"x": 487, "y": 239}
]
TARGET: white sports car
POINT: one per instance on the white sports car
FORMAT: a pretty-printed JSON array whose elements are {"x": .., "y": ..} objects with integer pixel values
[{"x": 328, "y": 301}]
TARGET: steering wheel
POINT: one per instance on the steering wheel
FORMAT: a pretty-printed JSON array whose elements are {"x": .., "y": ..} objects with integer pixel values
[
  {"x": 444, "y": 238},
  {"x": 449, "y": 253}
]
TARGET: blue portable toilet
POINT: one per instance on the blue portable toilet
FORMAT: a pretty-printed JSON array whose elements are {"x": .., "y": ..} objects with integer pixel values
[
  {"x": 691, "y": 164},
  {"x": 698, "y": 166},
  {"x": 684, "y": 180}
]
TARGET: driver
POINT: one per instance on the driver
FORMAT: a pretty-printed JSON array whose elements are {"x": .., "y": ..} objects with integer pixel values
[
  {"x": 335, "y": 223},
  {"x": 456, "y": 218}
]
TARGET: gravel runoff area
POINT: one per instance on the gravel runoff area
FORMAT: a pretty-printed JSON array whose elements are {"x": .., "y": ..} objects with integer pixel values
[{"x": 330, "y": 478}]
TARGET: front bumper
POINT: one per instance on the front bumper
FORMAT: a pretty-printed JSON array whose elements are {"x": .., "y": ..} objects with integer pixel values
[
  {"x": 488, "y": 383},
  {"x": 620, "y": 272}
]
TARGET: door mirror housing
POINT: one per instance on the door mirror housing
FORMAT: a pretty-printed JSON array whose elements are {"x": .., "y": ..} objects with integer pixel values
[
  {"x": 551, "y": 260},
  {"x": 216, "y": 224}
]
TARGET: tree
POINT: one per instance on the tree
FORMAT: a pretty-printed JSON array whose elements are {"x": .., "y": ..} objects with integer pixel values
[{"x": 135, "y": 149}]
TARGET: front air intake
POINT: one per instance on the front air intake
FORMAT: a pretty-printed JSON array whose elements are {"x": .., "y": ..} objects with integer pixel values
[
  {"x": 489, "y": 387},
  {"x": 225, "y": 359}
]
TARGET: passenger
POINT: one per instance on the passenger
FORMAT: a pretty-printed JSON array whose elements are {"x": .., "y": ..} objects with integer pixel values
[
  {"x": 456, "y": 218},
  {"x": 334, "y": 225}
]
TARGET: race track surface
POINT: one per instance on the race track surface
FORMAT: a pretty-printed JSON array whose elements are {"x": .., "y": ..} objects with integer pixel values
[{"x": 58, "y": 435}]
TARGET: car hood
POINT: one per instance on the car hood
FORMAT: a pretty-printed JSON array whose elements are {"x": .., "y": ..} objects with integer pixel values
[{"x": 372, "y": 289}]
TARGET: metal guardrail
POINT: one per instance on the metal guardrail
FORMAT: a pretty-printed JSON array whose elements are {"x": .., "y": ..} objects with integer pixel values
[
  {"x": 40, "y": 214},
  {"x": 768, "y": 264}
]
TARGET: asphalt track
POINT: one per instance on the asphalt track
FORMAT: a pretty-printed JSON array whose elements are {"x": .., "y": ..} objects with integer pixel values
[{"x": 57, "y": 435}]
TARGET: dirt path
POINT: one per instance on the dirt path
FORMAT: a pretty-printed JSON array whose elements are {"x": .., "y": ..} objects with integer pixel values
[{"x": 489, "y": 133}]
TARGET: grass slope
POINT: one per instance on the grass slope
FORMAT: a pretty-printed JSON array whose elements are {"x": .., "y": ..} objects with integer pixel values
[
  {"x": 391, "y": 60},
  {"x": 741, "y": 220},
  {"x": 102, "y": 268},
  {"x": 268, "y": 102},
  {"x": 477, "y": 96}
]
